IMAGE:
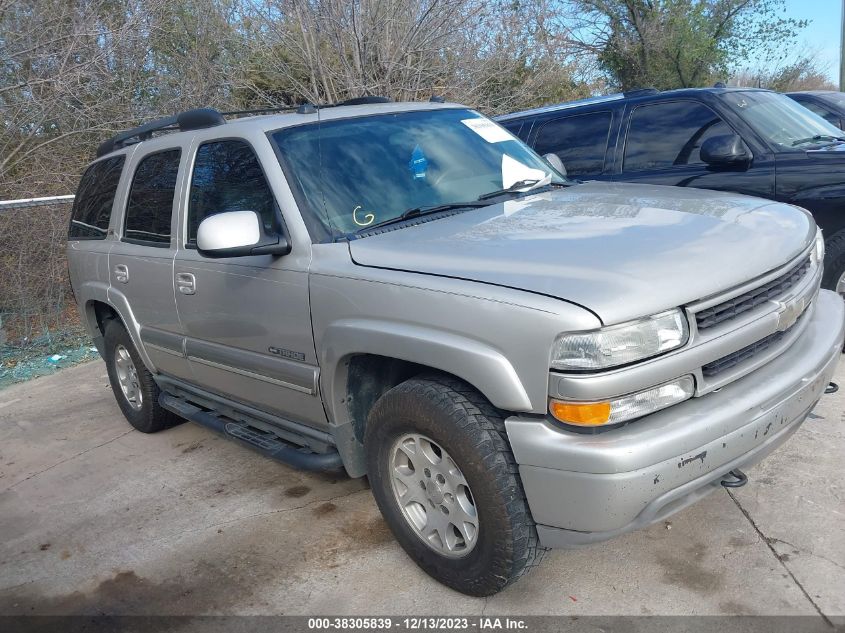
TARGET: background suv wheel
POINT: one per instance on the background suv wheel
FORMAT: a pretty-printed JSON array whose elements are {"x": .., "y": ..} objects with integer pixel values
[{"x": 834, "y": 263}]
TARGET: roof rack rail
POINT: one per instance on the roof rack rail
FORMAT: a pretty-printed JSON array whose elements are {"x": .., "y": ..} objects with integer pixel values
[
  {"x": 268, "y": 110},
  {"x": 365, "y": 100},
  {"x": 639, "y": 92},
  {"x": 184, "y": 121}
]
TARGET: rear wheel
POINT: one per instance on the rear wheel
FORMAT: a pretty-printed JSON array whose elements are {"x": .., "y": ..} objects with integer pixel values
[
  {"x": 444, "y": 478},
  {"x": 134, "y": 388}
]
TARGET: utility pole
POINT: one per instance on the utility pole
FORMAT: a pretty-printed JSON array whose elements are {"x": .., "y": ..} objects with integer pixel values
[{"x": 842, "y": 51}]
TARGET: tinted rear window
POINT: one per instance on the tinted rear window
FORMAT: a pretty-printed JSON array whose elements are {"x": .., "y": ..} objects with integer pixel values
[
  {"x": 94, "y": 198},
  {"x": 150, "y": 205},
  {"x": 579, "y": 141}
]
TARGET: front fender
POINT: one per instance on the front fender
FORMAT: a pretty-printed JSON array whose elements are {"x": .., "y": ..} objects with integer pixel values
[{"x": 483, "y": 367}]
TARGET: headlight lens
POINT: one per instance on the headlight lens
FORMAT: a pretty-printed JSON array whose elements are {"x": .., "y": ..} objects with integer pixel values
[
  {"x": 620, "y": 344},
  {"x": 818, "y": 251},
  {"x": 635, "y": 405}
]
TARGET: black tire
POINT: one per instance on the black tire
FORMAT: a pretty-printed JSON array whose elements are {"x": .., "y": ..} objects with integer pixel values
[
  {"x": 150, "y": 417},
  {"x": 472, "y": 432},
  {"x": 834, "y": 260}
]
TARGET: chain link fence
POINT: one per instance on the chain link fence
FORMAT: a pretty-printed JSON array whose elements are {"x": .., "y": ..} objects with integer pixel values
[{"x": 39, "y": 324}]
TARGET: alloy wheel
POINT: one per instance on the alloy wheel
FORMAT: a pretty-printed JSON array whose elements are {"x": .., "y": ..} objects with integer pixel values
[{"x": 434, "y": 495}]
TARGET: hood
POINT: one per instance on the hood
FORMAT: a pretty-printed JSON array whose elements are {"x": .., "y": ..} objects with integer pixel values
[{"x": 623, "y": 251}]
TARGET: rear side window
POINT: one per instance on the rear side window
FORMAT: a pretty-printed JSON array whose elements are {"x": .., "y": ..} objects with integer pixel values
[
  {"x": 150, "y": 205},
  {"x": 670, "y": 135},
  {"x": 579, "y": 141},
  {"x": 228, "y": 177},
  {"x": 94, "y": 198}
]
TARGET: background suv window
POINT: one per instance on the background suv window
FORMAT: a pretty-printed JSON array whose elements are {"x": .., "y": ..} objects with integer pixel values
[
  {"x": 823, "y": 112},
  {"x": 228, "y": 177},
  {"x": 94, "y": 198},
  {"x": 150, "y": 205},
  {"x": 669, "y": 134},
  {"x": 579, "y": 141}
]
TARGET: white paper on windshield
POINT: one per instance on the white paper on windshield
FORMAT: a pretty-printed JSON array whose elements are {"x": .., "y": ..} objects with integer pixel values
[
  {"x": 513, "y": 171},
  {"x": 488, "y": 130}
]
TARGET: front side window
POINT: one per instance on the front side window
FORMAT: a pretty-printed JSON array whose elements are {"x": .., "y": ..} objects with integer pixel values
[
  {"x": 669, "y": 134},
  {"x": 579, "y": 141},
  {"x": 356, "y": 172},
  {"x": 228, "y": 177},
  {"x": 785, "y": 124},
  {"x": 150, "y": 205},
  {"x": 93, "y": 202}
]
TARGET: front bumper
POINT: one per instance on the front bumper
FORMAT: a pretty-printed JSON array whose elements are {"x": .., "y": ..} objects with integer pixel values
[{"x": 588, "y": 488}]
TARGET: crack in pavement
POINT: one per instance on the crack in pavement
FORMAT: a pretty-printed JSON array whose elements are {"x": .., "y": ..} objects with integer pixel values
[
  {"x": 259, "y": 514},
  {"x": 66, "y": 460},
  {"x": 768, "y": 543},
  {"x": 807, "y": 552}
]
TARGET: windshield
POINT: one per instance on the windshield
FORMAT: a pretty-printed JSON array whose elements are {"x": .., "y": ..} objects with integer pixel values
[
  {"x": 780, "y": 120},
  {"x": 358, "y": 172}
]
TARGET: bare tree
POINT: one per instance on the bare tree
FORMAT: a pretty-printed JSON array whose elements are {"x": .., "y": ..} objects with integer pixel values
[
  {"x": 492, "y": 54},
  {"x": 803, "y": 71}
]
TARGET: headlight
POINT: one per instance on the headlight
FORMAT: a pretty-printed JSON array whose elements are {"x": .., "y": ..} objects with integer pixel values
[
  {"x": 620, "y": 344},
  {"x": 635, "y": 405},
  {"x": 818, "y": 251}
]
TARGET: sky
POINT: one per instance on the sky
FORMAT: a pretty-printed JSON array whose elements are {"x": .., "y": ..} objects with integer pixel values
[{"x": 823, "y": 33}]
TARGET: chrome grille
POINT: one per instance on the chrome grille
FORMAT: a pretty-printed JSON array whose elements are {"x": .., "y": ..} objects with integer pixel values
[
  {"x": 732, "y": 360},
  {"x": 734, "y": 307}
]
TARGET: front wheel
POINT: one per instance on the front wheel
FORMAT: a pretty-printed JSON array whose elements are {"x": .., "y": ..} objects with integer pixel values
[{"x": 445, "y": 479}]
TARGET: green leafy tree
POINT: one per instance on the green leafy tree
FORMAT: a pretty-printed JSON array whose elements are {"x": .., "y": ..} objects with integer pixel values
[{"x": 681, "y": 43}]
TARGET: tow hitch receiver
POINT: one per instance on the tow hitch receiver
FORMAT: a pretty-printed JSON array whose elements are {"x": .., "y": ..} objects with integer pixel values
[{"x": 738, "y": 479}]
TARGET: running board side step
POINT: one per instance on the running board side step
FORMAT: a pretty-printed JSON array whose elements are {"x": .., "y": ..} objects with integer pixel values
[{"x": 265, "y": 443}]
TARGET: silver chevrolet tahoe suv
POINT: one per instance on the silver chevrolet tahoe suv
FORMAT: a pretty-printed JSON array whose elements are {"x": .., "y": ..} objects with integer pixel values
[{"x": 406, "y": 291}]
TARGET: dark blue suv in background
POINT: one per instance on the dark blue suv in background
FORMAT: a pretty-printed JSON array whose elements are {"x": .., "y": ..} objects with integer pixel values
[
  {"x": 750, "y": 141},
  {"x": 828, "y": 104}
]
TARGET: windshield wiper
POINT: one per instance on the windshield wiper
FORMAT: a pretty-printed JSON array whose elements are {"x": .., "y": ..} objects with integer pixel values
[
  {"x": 817, "y": 137},
  {"x": 520, "y": 187},
  {"x": 419, "y": 211}
]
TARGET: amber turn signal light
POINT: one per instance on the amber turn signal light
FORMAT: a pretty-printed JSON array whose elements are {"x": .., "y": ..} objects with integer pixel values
[{"x": 580, "y": 413}]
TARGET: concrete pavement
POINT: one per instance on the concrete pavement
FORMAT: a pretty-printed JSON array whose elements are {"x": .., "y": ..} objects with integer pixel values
[{"x": 97, "y": 518}]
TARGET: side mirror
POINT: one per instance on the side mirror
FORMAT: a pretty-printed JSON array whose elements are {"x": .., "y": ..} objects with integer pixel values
[
  {"x": 238, "y": 234},
  {"x": 555, "y": 161},
  {"x": 725, "y": 150}
]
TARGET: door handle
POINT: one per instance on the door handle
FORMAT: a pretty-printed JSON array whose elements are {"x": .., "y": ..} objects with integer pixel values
[
  {"x": 186, "y": 283},
  {"x": 121, "y": 273}
]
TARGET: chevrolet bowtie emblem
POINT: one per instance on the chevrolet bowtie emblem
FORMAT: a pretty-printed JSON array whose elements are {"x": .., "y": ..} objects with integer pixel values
[{"x": 789, "y": 313}]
